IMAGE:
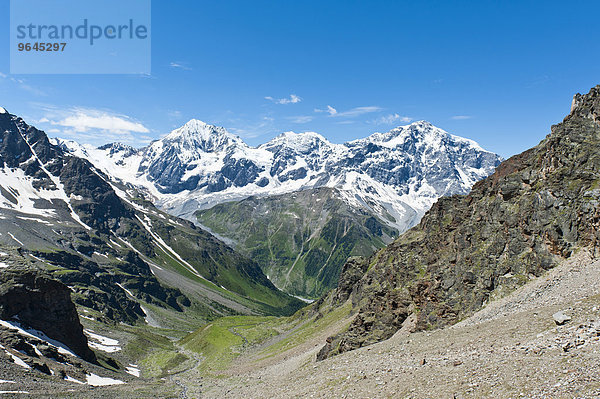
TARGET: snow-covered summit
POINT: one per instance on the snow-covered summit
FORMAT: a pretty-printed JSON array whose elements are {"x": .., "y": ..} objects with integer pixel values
[
  {"x": 397, "y": 174},
  {"x": 292, "y": 137},
  {"x": 201, "y": 135},
  {"x": 3, "y": 111},
  {"x": 300, "y": 143}
]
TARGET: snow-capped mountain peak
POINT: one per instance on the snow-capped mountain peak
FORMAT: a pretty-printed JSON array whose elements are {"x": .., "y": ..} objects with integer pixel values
[
  {"x": 298, "y": 142},
  {"x": 420, "y": 134},
  {"x": 202, "y": 135},
  {"x": 305, "y": 136},
  {"x": 397, "y": 175}
]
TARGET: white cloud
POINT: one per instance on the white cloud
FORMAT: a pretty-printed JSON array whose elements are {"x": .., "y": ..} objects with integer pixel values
[
  {"x": 390, "y": 119},
  {"x": 180, "y": 65},
  {"x": 83, "y": 120},
  {"x": 330, "y": 110},
  {"x": 22, "y": 84},
  {"x": 461, "y": 117},
  {"x": 93, "y": 126},
  {"x": 174, "y": 114},
  {"x": 351, "y": 112},
  {"x": 301, "y": 119},
  {"x": 358, "y": 111},
  {"x": 292, "y": 100}
]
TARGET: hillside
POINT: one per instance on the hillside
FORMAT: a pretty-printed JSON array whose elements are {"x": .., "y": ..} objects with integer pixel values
[
  {"x": 300, "y": 240},
  {"x": 512, "y": 348},
  {"x": 537, "y": 209},
  {"x": 58, "y": 212}
]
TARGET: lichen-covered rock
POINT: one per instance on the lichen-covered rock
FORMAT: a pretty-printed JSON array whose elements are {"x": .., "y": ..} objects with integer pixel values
[{"x": 537, "y": 208}]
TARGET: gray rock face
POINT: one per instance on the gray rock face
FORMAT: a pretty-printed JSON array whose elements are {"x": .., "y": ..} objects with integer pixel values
[
  {"x": 535, "y": 210},
  {"x": 44, "y": 304},
  {"x": 167, "y": 162}
]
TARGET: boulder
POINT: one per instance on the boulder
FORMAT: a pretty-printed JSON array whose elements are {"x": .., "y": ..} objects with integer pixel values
[
  {"x": 44, "y": 304},
  {"x": 560, "y": 318}
]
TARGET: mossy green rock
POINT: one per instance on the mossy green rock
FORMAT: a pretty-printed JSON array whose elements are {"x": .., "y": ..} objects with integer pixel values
[{"x": 536, "y": 209}]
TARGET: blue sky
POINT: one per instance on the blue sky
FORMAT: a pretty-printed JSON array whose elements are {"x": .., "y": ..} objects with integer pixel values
[{"x": 499, "y": 72}]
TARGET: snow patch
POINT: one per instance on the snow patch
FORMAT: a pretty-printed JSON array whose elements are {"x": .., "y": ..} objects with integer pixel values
[
  {"x": 30, "y": 332},
  {"x": 71, "y": 379},
  {"x": 97, "y": 381},
  {"x": 14, "y": 238},
  {"x": 133, "y": 370},
  {"x": 35, "y": 220},
  {"x": 126, "y": 290},
  {"x": 57, "y": 183},
  {"x": 305, "y": 300},
  {"x": 18, "y": 361},
  {"x": 170, "y": 251},
  {"x": 102, "y": 343}
]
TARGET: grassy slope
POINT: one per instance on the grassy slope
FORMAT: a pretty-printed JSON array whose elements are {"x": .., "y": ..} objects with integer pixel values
[
  {"x": 224, "y": 270},
  {"x": 256, "y": 339},
  {"x": 300, "y": 240}
]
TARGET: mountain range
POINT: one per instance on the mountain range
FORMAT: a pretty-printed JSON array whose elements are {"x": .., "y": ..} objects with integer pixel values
[
  {"x": 107, "y": 243},
  {"x": 371, "y": 190},
  {"x": 395, "y": 175},
  {"x": 99, "y": 286}
]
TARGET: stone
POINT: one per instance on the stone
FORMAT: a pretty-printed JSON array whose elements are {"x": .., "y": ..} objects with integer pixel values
[
  {"x": 44, "y": 304},
  {"x": 560, "y": 318}
]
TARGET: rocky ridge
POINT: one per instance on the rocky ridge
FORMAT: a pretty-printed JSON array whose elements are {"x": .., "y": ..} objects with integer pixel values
[
  {"x": 44, "y": 304},
  {"x": 536, "y": 209}
]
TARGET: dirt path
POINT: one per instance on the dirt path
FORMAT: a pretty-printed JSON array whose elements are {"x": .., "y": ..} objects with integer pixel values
[
  {"x": 234, "y": 332},
  {"x": 189, "y": 380}
]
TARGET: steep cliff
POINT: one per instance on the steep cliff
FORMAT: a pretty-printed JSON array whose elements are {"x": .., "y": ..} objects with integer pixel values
[{"x": 38, "y": 301}]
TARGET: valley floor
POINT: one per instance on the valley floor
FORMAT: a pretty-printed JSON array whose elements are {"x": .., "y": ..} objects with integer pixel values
[{"x": 511, "y": 348}]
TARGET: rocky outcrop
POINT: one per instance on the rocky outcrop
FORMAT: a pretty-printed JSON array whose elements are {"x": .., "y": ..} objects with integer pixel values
[
  {"x": 537, "y": 208},
  {"x": 44, "y": 304}
]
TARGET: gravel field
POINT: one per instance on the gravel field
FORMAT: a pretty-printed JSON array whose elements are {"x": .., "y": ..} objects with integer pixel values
[{"x": 512, "y": 348}]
